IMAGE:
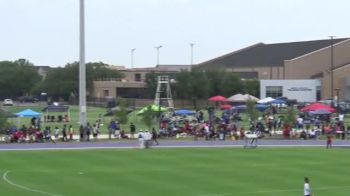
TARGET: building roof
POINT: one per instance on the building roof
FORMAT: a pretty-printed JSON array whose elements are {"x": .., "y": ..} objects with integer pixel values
[
  {"x": 174, "y": 67},
  {"x": 266, "y": 55}
]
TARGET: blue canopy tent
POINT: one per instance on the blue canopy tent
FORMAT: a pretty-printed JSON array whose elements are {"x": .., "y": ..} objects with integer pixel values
[
  {"x": 184, "y": 112},
  {"x": 277, "y": 101},
  {"x": 242, "y": 108},
  {"x": 28, "y": 113}
]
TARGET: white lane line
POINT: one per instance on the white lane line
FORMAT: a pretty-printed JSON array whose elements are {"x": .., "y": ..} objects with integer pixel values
[
  {"x": 170, "y": 146},
  {"x": 4, "y": 176},
  {"x": 276, "y": 191}
]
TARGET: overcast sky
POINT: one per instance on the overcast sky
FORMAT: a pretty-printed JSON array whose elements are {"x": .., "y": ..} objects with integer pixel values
[{"x": 47, "y": 31}]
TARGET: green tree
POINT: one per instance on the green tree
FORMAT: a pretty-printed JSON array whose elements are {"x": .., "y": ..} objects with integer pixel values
[
  {"x": 199, "y": 86},
  {"x": 252, "y": 111},
  {"x": 151, "y": 83},
  {"x": 122, "y": 113},
  {"x": 182, "y": 86},
  {"x": 3, "y": 122},
  {"x": 230, "y": 84},
  {"x": 215, "y": 77},
  {"x": 17, "y": 78},
  {"x": 290, "y": 117},
  {"x": 252, "y": 87},
  {"x": 64, "y": 82}
]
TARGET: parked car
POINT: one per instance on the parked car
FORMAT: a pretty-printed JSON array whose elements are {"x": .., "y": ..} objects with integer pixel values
[
  {"x": 7, "y": 102},
  {"x": 30, "y": 99}
]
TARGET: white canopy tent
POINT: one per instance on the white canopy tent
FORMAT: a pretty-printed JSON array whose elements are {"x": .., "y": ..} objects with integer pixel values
[
  {"x": 242, "y": 98},
  {"x": 266, "y": 100}
]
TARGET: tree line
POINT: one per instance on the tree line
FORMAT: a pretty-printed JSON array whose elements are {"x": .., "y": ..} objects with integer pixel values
[{"x": 21, "y": 78}]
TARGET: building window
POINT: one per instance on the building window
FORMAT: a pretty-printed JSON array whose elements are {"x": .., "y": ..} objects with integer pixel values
[
  {"x": 138, "y": 77},
  {"x": 274, "y": 91},
  {"x": 318, "y": 93},
  {"x": 105, "y": 93}
]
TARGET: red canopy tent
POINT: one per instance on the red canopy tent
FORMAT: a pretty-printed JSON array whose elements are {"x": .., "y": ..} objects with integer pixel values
[
  {"x": 317, "y": 106},
  {"x": 226, "y": 107},
  {"x": 217, "y": 99}
]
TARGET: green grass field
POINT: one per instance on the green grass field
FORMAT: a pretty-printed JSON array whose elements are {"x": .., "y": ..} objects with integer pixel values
[{"x": 176, "y": 172}]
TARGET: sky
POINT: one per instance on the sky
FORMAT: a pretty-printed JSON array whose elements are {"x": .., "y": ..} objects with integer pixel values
[{"x": 46, "y": 32}]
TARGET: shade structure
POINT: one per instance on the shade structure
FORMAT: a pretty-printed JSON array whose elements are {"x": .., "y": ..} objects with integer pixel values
[
  {"x": 217, "y": 99},
  {"x": 154, "y": 108},
  {"x": 184, "y": 112},
  {"x": 261, "y": 107},
  {"x": 266, "y": 100},
  {"x": 225, "y": 107},
  {"x": 317, "y": 106},
  {"x": 236, "y": 98},
  {"x": 241, "y": 108},
  {"x": 242, "y": 98},
  {"x": 28, "y": 113},
  {"x": 56, "y": 108},
  {"x": 277, "y": 101},
  {"x": 320, "y": 112}
]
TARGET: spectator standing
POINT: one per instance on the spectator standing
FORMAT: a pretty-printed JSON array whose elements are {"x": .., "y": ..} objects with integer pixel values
[
  {"x": 132, "y": 130},
  {"x": 57, "y": 133},
  {"x": 154, "y": 136},
  {"x": 64, "y": 133},
  {"x": 87, "y": 131},
  {"x": 81, "y": 132},
  {"x": 71, "y": 132}
]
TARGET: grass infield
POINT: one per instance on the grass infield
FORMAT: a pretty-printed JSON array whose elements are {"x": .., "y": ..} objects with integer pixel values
[{"x": 175, "y": 172}]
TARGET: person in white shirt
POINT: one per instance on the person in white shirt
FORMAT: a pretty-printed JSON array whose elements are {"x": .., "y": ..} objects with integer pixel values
[{"x": 307, "y": 189}]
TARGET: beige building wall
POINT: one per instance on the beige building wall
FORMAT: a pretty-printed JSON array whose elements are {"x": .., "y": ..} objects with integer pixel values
[
  {"x": 263, "y": 72},
  {"x": 318, "y": 61},
  {"x": 341, "y": 80},
  {"x": 100, "y": 87}
]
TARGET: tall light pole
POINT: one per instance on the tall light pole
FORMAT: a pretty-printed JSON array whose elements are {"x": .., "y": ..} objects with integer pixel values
[
  {"x": 191, "y": 45},
  {"x": 158, "y": 47},
  {"x": 132, "y": 57},
  {"x": 332, "y": 67},
  {"x": 82, "y": 68}
]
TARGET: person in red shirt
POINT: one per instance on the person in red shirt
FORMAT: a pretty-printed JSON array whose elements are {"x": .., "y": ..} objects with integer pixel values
[{"x": 329, "y": 137}]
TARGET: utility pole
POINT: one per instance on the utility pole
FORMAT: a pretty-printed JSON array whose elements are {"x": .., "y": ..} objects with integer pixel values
[
  {"x": 82, "y": 68},
  {"x": 132, "y": 57},
  {"x": 157, "y": 48},
  {"x": 332, "y": 67},
  {"x": 191, "y": 45}
]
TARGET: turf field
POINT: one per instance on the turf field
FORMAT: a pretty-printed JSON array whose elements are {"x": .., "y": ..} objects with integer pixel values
[{"x": 175, "y": 172}]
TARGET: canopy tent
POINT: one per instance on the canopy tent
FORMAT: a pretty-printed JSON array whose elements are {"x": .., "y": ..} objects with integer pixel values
[
  {"x": 277, "y": 101},
  {"x": 260, "y": 107},
  {"x": 56, "y": 108},
  {"x": 236, "y": 98},
  {"x": 225, "y": 107},
  {"x": 154, "y": 108},
  {"x": 242, "y": 98},
  {"x": 266, "y": 100},
  {"x": 317, "y": 106},
  {"x": 217, "y": 99},
  {"x": 28, "y": 113},
  {"x": 320, "y": 112},
  {"x": 184, "y": 112}
]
